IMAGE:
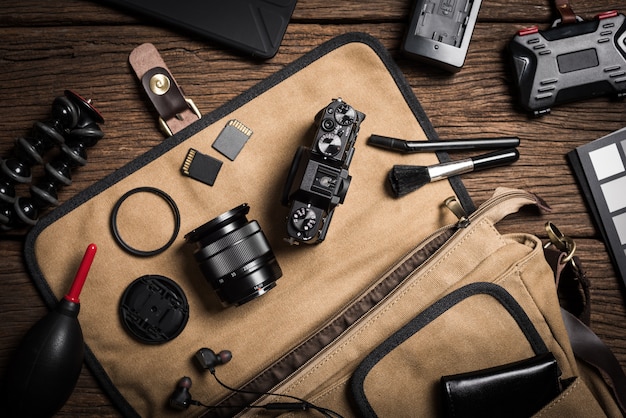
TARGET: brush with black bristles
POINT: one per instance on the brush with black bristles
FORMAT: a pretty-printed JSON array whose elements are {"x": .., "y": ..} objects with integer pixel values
[{"x": 406, "y": 178}]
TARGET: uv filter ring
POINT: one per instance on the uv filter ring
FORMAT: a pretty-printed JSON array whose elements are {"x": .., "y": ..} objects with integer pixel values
[{"x": 118, "y": 237}]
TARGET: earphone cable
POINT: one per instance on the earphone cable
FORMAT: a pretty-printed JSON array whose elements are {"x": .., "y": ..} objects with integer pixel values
[{"x": 302, "y": 402}]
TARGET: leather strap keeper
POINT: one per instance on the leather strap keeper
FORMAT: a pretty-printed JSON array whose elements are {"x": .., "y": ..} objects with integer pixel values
[{"x": 176, "y": 112}]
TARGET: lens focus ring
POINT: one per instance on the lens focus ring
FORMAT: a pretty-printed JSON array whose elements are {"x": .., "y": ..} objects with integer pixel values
[
  {"x": 226, "y": 241},
  {"x": 234, "y": 257}
]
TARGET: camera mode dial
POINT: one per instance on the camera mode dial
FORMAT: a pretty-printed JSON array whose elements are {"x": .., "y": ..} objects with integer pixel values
[
  {"x": 345, "y": 114},
  {"x": 329, "y": 144},
  {"x": 304, "y": 219}
]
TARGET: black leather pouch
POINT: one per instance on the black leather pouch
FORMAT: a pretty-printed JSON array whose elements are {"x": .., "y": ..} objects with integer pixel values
[{"x": 517, "y": 389}]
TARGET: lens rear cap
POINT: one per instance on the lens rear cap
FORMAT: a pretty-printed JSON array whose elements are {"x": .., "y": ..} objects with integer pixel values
[{"x": 154, "y": 309}]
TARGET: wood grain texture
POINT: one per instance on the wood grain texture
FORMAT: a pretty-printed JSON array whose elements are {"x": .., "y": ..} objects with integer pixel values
[{"x": 82, "y": 45}]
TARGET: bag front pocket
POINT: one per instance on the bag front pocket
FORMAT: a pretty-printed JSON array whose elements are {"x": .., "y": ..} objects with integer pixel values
[{"x": 475, "y": 327}]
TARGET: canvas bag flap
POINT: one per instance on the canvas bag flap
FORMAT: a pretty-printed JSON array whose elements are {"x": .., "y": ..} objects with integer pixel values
[{"x": 367, "y": 235}]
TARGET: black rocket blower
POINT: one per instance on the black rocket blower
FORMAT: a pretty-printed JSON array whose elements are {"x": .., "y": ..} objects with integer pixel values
[{"x": 45, "y": 368}]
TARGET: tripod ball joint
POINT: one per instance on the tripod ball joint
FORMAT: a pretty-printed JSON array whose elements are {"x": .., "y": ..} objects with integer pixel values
[{"x": 72, "y": 128}]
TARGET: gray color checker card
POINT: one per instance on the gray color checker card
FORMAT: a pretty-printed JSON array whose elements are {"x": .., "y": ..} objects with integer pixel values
[{"x": 600, "y": 167}]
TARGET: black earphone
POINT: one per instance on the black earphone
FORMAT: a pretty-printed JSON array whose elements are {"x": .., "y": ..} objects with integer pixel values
[
  {"x": 181, "y": 398},
  {"x": 207, "y": 359}
]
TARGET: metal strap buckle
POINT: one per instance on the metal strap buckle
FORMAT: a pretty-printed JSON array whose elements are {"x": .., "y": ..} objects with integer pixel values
[
  {"x": 164, "y": 126},
  {"x": 563, "y": 243}
]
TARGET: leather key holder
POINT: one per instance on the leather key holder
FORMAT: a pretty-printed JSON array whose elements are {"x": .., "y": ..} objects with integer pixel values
[{"x": 176, "y": 112}]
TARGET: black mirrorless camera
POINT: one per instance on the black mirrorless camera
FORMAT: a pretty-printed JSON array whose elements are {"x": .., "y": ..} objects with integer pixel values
[
  {"x": 318, "y": 179},
  {"x": 570, "y": 62}
]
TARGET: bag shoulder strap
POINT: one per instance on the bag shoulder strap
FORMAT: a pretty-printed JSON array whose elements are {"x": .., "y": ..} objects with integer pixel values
[
  {"x": 574, "y": 295},
  {"x": 590, "y": 349}
]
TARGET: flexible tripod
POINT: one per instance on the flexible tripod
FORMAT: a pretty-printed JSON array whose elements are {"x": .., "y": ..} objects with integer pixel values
[{"x": 73, "y": 127}]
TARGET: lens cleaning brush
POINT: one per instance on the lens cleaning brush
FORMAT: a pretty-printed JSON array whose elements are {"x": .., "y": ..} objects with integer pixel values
[{"x": 406, "y": 178}]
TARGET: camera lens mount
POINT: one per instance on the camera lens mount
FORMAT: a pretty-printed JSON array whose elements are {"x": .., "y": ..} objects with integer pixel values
[{"x": 235, "y": 257}]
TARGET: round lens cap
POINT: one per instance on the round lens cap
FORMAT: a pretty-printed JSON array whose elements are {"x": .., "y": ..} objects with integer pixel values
[{"x": 154, "y": 309}]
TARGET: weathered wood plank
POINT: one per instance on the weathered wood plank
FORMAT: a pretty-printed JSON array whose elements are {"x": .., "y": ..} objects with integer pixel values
[
  {"x": 16, "y": 13},
  {"x": 82, "y": 45}
]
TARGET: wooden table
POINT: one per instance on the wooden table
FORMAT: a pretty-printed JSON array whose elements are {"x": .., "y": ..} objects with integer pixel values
[{"x": 80, "y": 45}]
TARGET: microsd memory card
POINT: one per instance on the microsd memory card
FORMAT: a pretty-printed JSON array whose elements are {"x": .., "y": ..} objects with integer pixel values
[{"x": 201, "y": 167}]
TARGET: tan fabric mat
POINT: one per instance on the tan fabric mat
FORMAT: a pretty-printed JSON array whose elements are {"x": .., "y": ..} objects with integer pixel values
[{"x": 368, "y": 233}]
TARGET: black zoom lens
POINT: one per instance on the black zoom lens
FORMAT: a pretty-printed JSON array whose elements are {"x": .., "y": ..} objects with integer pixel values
[{"x": 235, "y": 257}]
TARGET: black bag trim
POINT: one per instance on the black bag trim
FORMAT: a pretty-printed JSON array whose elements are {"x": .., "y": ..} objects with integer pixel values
[
  {"x": 431, "y": 313},
  {"x": 29, "y": 246}
]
